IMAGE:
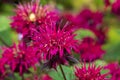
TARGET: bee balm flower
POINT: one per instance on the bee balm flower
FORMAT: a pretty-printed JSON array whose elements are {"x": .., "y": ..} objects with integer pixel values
[{"x": 89, "y": 73}]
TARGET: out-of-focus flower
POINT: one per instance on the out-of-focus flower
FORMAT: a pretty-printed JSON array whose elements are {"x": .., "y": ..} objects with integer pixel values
[
  {"x": 20, "y": 58},
  {"x": 2, "y": 68},
  {"x": 114, "y": 70},
  {"x": 90, "y": 50},
  {"x": 88, "y": 19},
  {"x": 89, "y": 73},
  {"x": 31, "y": 16},
  {"x": 56, "y": 42},
  {"x": 101, "y": 34},
  {"x": 107, "y": 3},
  {"x": 116, "y": 7}
]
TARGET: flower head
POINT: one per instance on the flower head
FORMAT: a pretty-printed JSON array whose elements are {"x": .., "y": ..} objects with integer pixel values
[
  {"x": 88, "y": 19},
  {"x": 90, "y": 50},
  {"x": 89, "y": 73},
  {"x": 30, "y": 15},
  {"x": 107, "y": 3},
  {"x": 116, "y": 7},
  {"x": 20, "y": 58},
  {"x": 114, "y": 69},
  {"x": 101, "y": 34},
  {"x": 56, "y": 43}
]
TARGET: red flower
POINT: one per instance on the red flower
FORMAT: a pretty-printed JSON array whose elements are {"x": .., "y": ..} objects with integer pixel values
[
  {"x": 114, "y": 70},
  {"x": 56, "y": 43},
  {"x": 20, "y": 58},
  {"x": 90, "y": 50},
  {"x": 89, "y": 73},
  {"x": 88, "y": 19},
  {"x": 31, "y": 16},
  {"x": 107, "y": 3},
  {"x": 101, "y": 34},
  {"x": 116, "y": 7}
]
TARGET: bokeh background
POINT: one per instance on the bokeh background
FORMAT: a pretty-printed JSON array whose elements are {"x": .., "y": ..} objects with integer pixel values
[{"x": 112, "y": 45}]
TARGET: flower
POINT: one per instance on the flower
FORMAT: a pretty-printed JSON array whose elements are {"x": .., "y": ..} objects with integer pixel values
[
  {"x": 114, "y": 70},
  {"x": 90, "y": 50},
  {"x": 116, "y": 7},
  {"x": 31, "y": 16},
  {"x": 89, "y": 20},
  {"x": 20, "y": 58},
  {"x": 89, "y": 73},
  {"x": 101, "y": 34},
  {"x": 107, "y": 3},
  {"x": 2, "y": 68},
  {"x": 56, "y": 42}
]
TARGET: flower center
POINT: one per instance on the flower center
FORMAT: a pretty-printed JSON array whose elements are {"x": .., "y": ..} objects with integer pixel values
[{"x": 32, "y": 17}]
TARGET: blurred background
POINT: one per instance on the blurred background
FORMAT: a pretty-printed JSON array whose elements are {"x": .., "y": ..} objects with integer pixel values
[{"x": 112, "y": 45}]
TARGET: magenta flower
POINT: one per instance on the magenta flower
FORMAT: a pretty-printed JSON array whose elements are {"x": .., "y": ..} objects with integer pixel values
[
  {"x": 88, "y": 19},
  {"x": 116, "y": 7},
  {"x": 89, "y": 73},
  {"x": 56, "y": 43},
  {"x": 31, "y": 16},
  {"x": 20, "y": 58},
  {"x": 107, "y": 3},
  {"x": 2, "y": 68},
  {"x": 114, "y": 70},
  {"x": 90, "y": 50},
  {"x": 101, "y": 34}
]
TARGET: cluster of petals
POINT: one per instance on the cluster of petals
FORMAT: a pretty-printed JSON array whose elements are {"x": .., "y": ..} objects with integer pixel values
[
  {"x": 107, "y": 3},
  {"x": 116, "y": 7},
  {"x": 20, "y": 58},
  {"x": 30, "y": 15},
  {"x": 91, "y": 72},
  {"x": 88, "y": 19},
  {"x": 2, "y": 68},
  {"x": 56, "y": 42},
  {"x": 90, "y": 50},
  {"x": 114, "y": 70}
]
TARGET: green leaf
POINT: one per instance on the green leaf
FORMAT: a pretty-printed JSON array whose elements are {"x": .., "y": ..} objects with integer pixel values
[
  {"x": 6, "y": 37},
  {"x": 4, "y": 23},
  {"x": 57, "y": 75},
  {"x": 81, "y": 33},
  {"x": 113, "y": 53},
  {"x": 113, "y": 46}
]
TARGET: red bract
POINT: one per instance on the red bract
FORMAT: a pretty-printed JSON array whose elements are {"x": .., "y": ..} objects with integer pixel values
[
  {"x": 114, "y": 70},
  {"x": 88, "y": 19},
  {"x": 56, "y": 43},
  {"x": 29, "y": 16},
  {"x": 89, "y": 73},
  {"x": 116, "y": 7},
  {"x": 20, "y": 58},
  {"x": 90, "y": 50}
]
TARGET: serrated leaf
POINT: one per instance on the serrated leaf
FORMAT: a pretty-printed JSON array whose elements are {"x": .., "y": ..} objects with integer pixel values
[{"x": 57, "y": 75}]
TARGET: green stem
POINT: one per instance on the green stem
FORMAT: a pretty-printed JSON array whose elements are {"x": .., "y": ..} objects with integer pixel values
[
  {"x": 62, "y": 72},
  {"x": 22, "y": 77},
  {"x": 4, "y": 42}
]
